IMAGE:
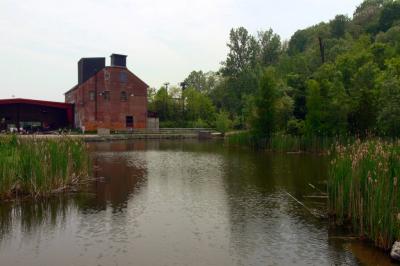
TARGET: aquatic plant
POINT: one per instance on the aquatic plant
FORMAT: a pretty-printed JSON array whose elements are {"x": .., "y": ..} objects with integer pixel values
[
  {"x": 38, "y": 166},
  {"x": 363, "y": 189},
  {"x": 287, "y": 143}
]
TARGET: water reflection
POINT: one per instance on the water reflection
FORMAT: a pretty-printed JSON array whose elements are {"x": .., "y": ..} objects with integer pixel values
[
  {"x": 181, "y": 203},
  {"x": 118, "y": 175}
]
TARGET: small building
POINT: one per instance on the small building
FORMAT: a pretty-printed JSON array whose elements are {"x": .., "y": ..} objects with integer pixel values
[
  {"x": 109, "y": 97},
  {"x": 35, "y": 115}
]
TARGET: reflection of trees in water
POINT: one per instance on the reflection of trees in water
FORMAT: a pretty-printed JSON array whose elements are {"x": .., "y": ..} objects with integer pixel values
[
  {"x": 264, "y": 221},
  {"x": 28, "y": 215},
  {"x": 251, "y": 177},
  {"x": 123, "y": 173}
]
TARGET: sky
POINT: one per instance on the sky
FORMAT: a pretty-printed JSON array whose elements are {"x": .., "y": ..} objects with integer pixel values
[{"x": 42, "y": 40}]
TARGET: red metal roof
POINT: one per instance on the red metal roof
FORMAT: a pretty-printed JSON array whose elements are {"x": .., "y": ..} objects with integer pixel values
[
  {"x": 36, "y": 102},
  {"x": 69, "y": 108}
]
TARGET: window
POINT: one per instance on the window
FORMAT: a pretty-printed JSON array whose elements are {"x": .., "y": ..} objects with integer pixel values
[
  {"x": 124, "y": 96},
  {"x": 106, "y": 95},
  {"x": 91, "y": 96},
  {"x": 129, "y": 121},
  {"x": 107, "y": 75},
  {"x": 123, "y": 77}
]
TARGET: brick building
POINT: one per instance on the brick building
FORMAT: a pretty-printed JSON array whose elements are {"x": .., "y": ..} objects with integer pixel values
[{"x": 108, "y": 96}]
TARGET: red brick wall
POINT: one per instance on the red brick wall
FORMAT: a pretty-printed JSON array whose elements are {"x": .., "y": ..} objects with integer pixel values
[{"x": 110, "y": 113}]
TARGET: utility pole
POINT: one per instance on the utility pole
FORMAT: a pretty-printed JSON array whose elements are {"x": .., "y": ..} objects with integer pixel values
[
  {"x": 165, "y": 99},
  {"x": 183, "y": 86}
]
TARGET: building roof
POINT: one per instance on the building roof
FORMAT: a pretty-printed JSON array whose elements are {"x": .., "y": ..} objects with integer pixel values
[
  {"x": 60, "y": 105},
  {"x": 77, "y": 85}
]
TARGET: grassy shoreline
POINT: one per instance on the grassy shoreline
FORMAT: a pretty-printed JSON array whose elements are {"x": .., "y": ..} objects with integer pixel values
[
  {"x": 363, "y": 190},
  {"x": 36, "y": 167},
  {"x": 362, "y": 182},
  {"x": 287, "y": 143}
]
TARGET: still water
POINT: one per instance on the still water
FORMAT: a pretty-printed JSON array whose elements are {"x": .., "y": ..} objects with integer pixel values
[{"x": 183, "y": 203}]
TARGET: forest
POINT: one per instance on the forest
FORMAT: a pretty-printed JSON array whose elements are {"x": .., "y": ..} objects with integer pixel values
[{"x": 336, "y": 78}]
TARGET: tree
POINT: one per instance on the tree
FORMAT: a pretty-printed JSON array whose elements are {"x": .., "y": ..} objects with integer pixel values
[
  {"x": 364, "y": 95},
  {"x": 196, "y": 80},
  {"x": 163, "y": 104},
  {"x": 389, "y": 114},
  {"x": 222, "y": 122},
  {"x": 338, "y": 26},
  {"x": 263, "y": 122},
  {"x": 330, "y": 79},
  {"x": 298, "y": 42},
  {"x": 315, "y": 111},
  {"x": 327, "y": 104},
  {"x": 367, "y": 15},
  {"x": 242, "y": 55},
  {"x": 270, "y": 46},
  {"x": 203, "y": 82},
  {"x": 284, "y": 111},
  {"x": 198, "y": 106},
  {"x": 389, "y": 16},
  {"x": 297, "y": 85}
]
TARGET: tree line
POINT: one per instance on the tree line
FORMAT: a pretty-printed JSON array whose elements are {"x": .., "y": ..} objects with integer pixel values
[{"x": 340, "y": 77}]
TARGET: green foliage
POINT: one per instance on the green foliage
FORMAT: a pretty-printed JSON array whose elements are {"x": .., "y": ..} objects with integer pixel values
[
  {"x": 389, "y": 114},
  {"x": 332, "y": 79},
  {"x": 284, "y": 111},
  {"x": 188, "y": 109},
  {"x": 338, "y": 26},
  {"x": 33, "y": 166},
  {"x": 279, "y": 142},
  {"x": 326, "y": 103},
  {"x": 263, "y": 122},
  {"x": 243, "y": 52},
  {"x": 390, "y": 15},
  {"x": 270, "y": 47},
  {"x": 222, "y": 123},
  {"x": 295, "y": 127},
  {"x": 198, "y": 106},
  {"x": 203, "y": 82},
  {"x": 363, "y": 190}
]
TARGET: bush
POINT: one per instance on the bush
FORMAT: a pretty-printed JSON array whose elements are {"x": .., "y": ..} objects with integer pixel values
[
  {"x": 222, "y": 122},
  {"x": 295, "y": 127}
]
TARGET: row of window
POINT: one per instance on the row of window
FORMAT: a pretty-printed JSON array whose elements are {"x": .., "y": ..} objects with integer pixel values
[
  {"x": 123, "y": 76},
  {"x": 106, "y": 96}
]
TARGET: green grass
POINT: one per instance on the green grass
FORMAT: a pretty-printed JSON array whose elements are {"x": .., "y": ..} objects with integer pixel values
[
  {"x": 39, "y": 166},
  {"x": 287, "y": 143},
  {"x": 363, "y": 189}
]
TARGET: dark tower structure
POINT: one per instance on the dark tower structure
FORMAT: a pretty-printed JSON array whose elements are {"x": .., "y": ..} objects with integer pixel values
[
  {"x": 87, "y": 67},
  {"x": 118, "y": 60}
]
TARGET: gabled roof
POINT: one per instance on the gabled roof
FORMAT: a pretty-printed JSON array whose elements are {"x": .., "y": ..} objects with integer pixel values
[
  {"x": 77, "y": 85},
  {"x": 141, "y": 81}
]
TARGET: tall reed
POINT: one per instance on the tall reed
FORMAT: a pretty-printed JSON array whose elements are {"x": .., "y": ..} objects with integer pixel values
[
  {"x": 37, "y": 166},
  {"x": 363, "y": 189},
  {"x": 287, "y": 143}
]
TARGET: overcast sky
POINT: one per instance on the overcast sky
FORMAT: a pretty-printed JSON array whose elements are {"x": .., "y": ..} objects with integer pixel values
[{"x": 42, "y": 41}]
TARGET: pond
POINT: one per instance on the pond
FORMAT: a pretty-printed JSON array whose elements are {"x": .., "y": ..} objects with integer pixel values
[{"x": 184, "y": 203}]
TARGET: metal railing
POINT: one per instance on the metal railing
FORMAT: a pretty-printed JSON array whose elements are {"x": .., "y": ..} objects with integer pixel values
[{"x": 164, "y": 131}]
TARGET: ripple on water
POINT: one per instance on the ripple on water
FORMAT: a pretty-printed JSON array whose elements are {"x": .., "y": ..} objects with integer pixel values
[{"x": 179, "y": 203}]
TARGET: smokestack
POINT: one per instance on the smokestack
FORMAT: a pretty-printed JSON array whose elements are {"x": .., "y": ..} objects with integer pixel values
[
  {"x": 87, "y": 67},
  {"x": 118, "y": 60}
]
